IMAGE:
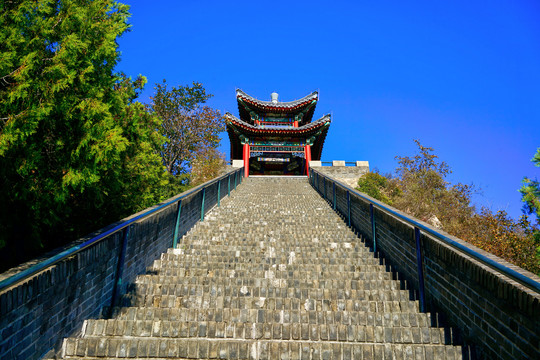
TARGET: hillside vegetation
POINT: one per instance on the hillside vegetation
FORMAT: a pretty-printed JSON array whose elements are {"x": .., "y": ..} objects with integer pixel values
[{"x": 420, "y": 188}]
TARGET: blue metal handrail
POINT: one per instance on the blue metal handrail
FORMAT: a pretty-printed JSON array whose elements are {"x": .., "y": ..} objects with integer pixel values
[
  {"x": 27, "y": 273},
  {"x": 511, "y": 273}
]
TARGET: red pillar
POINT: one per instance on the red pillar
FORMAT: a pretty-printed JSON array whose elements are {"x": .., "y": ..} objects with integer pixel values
[
  {"x": 246, "y": 160},
  {"x": 295, "y": 123},
  {"x": 308, "y": 157}
]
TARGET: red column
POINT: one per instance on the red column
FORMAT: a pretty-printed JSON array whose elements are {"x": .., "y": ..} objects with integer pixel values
[
  {"x": 246, "y": 160},
  {"x": 308, "y": 157},
  {"x": 295, "y": 123}
]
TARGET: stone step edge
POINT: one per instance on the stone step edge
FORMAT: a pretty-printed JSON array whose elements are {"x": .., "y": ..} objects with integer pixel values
[
  {"x": 159, "y": 263},
  {"x": 247, "y": 291},
  {"x": 262, "y": 300},
  {"x": 252, "y": 349},
  {"x": 220, "y": 280},
  {"x": 304, "y": 274},
  {"x": 121, "y": 313},
  {"x": 203, "y": 263},
  {"x": 163, "y": 329}
]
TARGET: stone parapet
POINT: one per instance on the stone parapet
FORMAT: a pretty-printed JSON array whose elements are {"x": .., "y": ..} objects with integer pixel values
[
  {"x": 492, "y": 310},
  {"x": 339, "y": 171},
  {"x": 37, "y": 312}
]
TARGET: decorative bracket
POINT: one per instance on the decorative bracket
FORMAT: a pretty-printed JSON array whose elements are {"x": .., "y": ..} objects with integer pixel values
[
  {"x": 310, "y": 141},
  {"x": 243, "y": 139},
  {"x": 254, "y": 116}
]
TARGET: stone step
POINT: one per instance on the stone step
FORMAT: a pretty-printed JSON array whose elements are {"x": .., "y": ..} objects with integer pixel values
[
  {"x": 204, "y": 348},
  {"x": 273, "y": 224},
  {"x": 290, "y": 255},
  {"x": 246, "y": 226},
  {"x": 230, "y": 302},
  {"x": 339, "y": 283},
  {"x": 176, "y": 260},
  {"x": 272, "y": 288},
  {"x": 274, "y": 273},
  {"x": 172, "y": 274},
  {"x": 264, "y": 222},
  {"x": 222, "y": 247},
  {"x": 389, "y": 319},
  {"x": 256, "y": 256},
  {"x": 318, "y": 213},
  {"x": 173, "y": 268},
  {"x": 318, "y": 289},
  {"x": 224, "y": 244},
  {"x": 265, "y": 330},
  {"x": 324, "y": 231}
]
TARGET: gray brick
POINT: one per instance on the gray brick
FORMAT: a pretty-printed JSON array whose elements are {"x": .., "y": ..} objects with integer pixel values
[{"x": 234, "y": 278}]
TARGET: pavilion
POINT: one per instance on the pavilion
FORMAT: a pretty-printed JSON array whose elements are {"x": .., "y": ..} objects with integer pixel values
[{"x": 276, "y": 138}]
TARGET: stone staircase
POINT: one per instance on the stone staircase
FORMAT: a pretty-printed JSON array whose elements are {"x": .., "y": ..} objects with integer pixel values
[{"x": 274, "y": 273}]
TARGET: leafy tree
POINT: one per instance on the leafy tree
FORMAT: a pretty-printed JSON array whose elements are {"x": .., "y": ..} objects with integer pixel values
[
  {"x": 208, "y": 164},
  {"x": 505, "y": 237},
  {"x": 530, "y": 195},
  {"x": 189, "y": 126},
  {"x": 530, "y": 191},
  {"x": 76, "y": 150},
  {"x": 426, "y": 194},
  {"x": 379, "y": 187}
]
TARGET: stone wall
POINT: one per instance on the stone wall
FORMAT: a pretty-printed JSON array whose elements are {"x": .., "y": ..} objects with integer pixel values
[
  {"x": 497, "y": 315},
  {"x": 38, "y": 312},
  {"x": 346, "y": 174}
]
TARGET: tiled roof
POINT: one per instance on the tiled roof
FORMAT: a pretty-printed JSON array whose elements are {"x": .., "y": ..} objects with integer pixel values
[
  {"x": 248, "y": 104},
  {"x": 286, "y": 106},
  {"x": 254, "y": 129},
  {"x": 236, "y": 126}
]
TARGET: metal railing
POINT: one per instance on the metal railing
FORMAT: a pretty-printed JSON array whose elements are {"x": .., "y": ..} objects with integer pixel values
[
  {"x": 316, "y": 178},
  {"x": 233, "y": 178}
]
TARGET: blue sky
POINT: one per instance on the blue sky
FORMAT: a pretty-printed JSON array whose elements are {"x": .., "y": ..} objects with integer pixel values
[{"x": 461, "y": 76}]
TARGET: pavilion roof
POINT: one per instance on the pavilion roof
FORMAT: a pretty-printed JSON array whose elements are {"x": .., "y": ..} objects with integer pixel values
[
  {"x": 318, "y": 128},
  {"x": 249, "y": 129},
  {"x": 247, "y": 103}
]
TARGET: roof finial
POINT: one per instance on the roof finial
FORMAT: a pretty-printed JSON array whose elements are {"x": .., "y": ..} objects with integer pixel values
[{"x": 274, "y": 96}]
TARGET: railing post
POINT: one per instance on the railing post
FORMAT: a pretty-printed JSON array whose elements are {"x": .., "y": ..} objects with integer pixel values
[
  {"x": 229, "y": 185},
  {"x": 419, "y": 263},
  {"x": 219, "y": 193},
  {"x": 235, "y": 179},
  {"x": 325, "y": 194},
  {"x": 175, "y": 235},
  {"x": 349, "y": 207},
  {"x": 202, "y": 203},
  {"x": 119, "y": 268},
  {"x": 372, "y": 215},
  {"x": 334, "y": 190}
]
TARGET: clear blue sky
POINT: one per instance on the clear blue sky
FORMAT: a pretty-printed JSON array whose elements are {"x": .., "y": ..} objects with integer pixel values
[{"x": 461, "y": 76}]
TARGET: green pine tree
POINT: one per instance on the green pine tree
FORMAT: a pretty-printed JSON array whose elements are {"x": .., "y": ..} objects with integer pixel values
[
  {"x": 76, "y": 150},
  {"x": 530, "y": 191}
]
